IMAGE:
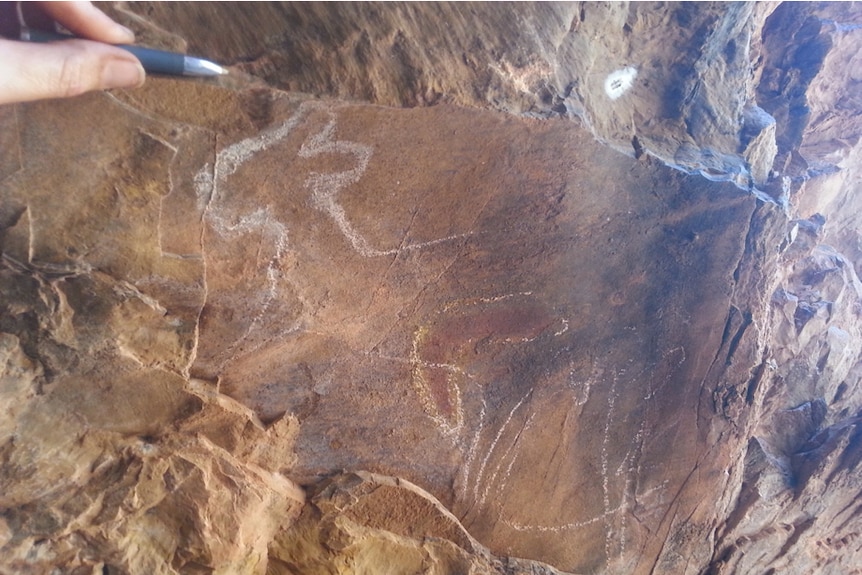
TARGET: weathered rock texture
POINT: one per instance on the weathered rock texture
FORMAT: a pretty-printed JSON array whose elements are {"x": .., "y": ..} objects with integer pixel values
[
  {"x": 367, "y": 523},
  {"x": 694, "y": 105},
  {"x": 439, "y": 303}
]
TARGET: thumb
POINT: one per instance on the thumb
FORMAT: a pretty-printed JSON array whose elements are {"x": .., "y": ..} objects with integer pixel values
[{"x": 30, "y": 71}]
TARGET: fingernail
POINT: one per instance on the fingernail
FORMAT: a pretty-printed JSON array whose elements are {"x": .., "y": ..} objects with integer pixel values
[
  {"x": 130, "y": 36},
  {"x": 122, "y": 74}
]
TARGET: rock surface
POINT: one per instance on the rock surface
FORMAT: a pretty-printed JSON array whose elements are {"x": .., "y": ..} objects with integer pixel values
[
  {"x": 438, "y": 302},
  {"x": 367, "y": 523}
]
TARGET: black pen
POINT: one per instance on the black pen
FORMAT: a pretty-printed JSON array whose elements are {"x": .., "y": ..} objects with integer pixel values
[{"x": 153, "y": 61}]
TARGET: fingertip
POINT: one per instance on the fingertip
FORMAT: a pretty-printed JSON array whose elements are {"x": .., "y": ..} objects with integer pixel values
[
  {"x": 87, "y": 21},
  {"x": 125, "y": 35},
  {"x": 64, "y": 69},
  {"x": 114, "y": 33},
  {"x": 122, "y": 73}
]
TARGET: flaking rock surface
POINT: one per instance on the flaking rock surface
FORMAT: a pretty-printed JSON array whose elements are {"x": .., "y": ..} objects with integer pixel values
[{"x": 436, "y": 321}]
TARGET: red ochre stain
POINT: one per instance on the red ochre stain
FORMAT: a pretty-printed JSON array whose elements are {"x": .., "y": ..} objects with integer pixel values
[
  {"x": 438, "y": 381},
  {"x": 454, "y": 341}
]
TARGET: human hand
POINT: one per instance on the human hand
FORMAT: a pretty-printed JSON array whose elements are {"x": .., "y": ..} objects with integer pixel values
[{"x": 31, "y": 71}]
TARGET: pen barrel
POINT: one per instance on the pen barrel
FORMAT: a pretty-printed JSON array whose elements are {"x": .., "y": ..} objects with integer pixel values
[
  {"x": 153, "y": 61},
  {"x": 157, "y": 61}
]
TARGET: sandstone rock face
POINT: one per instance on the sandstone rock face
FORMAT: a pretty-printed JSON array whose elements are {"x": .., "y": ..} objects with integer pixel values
[
  {"x": 436, "y": 321},
  {"x": 367, "y": 523},
  {"x": 691, "y": 107}
]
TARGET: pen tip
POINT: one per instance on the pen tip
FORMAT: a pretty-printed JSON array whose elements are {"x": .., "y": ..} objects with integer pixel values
[{"x": 198, "y": 67}]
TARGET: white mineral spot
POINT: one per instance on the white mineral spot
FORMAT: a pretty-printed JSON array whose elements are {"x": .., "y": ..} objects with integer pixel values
[{"x": 619, "y": 81}]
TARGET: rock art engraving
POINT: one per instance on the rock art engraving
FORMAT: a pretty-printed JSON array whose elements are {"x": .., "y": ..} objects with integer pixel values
[
  {"x": 325, "y": 189},
  {"x": 211, "y": 187},
  {"x": 482, "y": 498},
  {"x": 442, "y": 350},
  {"x": 618, "y": 473},
  {"x": 582, "y": 388},
  {"x": 532, "y": 375},
  {"x": 228, "y": 220}
]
